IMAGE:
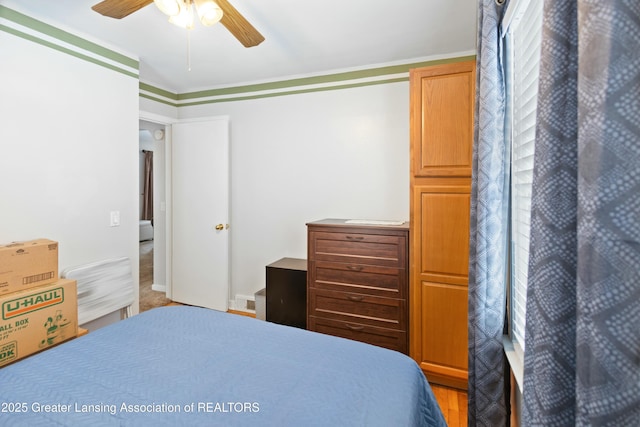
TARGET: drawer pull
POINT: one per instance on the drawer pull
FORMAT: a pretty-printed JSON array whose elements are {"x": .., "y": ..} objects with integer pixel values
[
  {"x": 355, "y": 298},
  {"x": 355, "y": 237},
  {"x": 354, "y": 267},
  {"x": 354, "y": 327}
]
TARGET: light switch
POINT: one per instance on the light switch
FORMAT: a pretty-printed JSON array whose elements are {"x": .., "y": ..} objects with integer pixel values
[{"x": 115, "y": 219}]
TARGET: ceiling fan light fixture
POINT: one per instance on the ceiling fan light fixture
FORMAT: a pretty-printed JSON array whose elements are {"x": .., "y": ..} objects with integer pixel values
[
  {"x": 208, "y": 12},
  {"x": 184, "y": 19},
  {"x": 169, "y": 7}
]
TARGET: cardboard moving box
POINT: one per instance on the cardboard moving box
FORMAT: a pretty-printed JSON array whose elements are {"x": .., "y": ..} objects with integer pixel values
[
  {"x": 24, "y": 265},
  {"x": 38, "y": 318}
]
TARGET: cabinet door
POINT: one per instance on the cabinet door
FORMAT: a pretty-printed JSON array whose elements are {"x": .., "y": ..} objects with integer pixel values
[
  {"x": 439, "y": 279},
  {"x": 444, "y": 348},
  {"x": 442, "y": 230},
  {"x": 442, "y": 104}
]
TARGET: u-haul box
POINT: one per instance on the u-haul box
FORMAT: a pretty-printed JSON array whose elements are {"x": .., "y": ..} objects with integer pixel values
[
  {"x": 24, "y": 265},
  {"x": 38, "y": 318}
]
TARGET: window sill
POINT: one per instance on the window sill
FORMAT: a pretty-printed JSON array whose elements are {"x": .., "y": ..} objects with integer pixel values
[{"x": 516, "y": 359}]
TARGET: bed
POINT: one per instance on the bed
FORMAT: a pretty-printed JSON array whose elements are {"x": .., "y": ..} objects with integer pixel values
[{"x": 191, "y": 366}]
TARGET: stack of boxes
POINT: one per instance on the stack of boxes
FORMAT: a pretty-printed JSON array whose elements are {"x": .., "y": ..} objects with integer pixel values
[{"x": 38, "y": 308}]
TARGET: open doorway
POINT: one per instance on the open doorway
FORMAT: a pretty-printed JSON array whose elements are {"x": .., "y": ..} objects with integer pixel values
[{"x": 152, "y": 215}]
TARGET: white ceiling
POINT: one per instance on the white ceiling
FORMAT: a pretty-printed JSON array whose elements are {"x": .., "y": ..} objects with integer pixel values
[{"x": 302, "y": 38}]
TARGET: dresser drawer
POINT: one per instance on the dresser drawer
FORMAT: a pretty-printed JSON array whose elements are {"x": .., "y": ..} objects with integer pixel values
[
  {"x": 360, "y": 308},
  {"x": 392, "y": 339},
  {"x": 360, "y": 248},
  {"x": 359, "y": 278}
]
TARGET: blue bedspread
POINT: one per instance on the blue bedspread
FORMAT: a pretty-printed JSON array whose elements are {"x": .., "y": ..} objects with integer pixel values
[{"x": 175, "y": 366}]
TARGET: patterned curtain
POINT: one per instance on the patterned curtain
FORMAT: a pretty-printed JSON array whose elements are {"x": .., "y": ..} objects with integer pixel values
[
  {"x": 489, "y": 203},
  {"x": 582, "y": 355}
]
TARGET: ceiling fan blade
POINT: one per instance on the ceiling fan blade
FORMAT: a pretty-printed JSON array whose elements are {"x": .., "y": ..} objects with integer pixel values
[
  {"x": 118, "y": 9},
  {"x": 238, "y": 25}
]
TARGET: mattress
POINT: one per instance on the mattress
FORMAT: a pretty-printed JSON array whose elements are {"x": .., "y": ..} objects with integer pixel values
[{"x": 191, "y": 366}]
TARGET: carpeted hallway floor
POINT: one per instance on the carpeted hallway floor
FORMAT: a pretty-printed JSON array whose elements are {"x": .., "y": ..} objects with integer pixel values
[{"x": 148, "y": 298}]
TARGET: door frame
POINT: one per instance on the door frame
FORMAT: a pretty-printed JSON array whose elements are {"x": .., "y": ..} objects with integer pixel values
[{"x": 168, "y": 122}]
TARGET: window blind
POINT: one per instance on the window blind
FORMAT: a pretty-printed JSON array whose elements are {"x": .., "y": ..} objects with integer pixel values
[{"x": 522, "y": 44}]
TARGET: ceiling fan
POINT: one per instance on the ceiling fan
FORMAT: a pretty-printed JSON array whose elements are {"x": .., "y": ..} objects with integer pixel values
[{"x": 225, "y": 13}]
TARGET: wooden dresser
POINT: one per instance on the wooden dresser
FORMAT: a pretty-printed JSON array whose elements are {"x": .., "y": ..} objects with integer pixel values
[{"x": 357, "y": 282}]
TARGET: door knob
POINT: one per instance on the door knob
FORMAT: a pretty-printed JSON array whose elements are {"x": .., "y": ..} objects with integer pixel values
[{"x": 219, "y": 227}]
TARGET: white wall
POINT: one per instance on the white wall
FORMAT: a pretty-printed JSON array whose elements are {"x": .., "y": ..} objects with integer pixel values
[
  {"x": 299, "y": 158},
  {"x": 154, "y": 111},
  {"x": 69, "y": 156},
  {"x": 68, "y": 153}
]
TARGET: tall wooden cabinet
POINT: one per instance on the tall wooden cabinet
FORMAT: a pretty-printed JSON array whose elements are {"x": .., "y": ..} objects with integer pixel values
[{"x": 442, "y": 105}]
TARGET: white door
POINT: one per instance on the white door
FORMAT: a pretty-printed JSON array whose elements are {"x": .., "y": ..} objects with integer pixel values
[{"x": 200, "y": 206}]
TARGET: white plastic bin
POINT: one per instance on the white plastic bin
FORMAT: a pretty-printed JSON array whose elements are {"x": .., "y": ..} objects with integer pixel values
[{"x": 261, "y": 304}]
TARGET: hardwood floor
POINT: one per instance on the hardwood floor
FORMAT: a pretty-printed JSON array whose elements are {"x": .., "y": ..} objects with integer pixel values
[
  {"x": 453, "y": 404},
  {"x": 242, "y": 313}
]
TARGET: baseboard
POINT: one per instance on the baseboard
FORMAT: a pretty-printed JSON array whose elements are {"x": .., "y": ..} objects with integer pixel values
[{"x": 159, "y": 288}]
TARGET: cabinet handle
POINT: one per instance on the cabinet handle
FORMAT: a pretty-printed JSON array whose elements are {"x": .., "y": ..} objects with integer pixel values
[
  {"x": 355, "y": 327},
  {"x": 354, "y": 267},
  {"x": 355, "y": 237},
  {"x": 355, "y": 298}
]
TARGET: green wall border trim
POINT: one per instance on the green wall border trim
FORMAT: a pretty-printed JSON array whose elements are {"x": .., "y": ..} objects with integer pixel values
[
  {"x": 67, "y": 51},
  {"x": 329, "y": 78},
  {"x": 160, "y": 100},
  {"x": 160, "y": 92},
  {"x": 295, "y": 92},
  {"x": 296, "y": 85},
  {"x": 66, "y": 37}
]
